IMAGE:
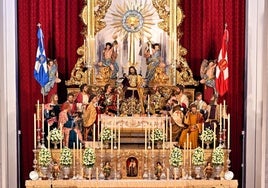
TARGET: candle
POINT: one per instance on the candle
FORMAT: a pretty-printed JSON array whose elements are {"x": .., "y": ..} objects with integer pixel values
[
  {"x": 35, "y": 131},
  {"x": 202, "y": 134},
  {"x": 167, "y": 174},
  {"x": 145, "y": 142},
  {"x": 223, "y": 114},
  {"x": 94, "y": 135},
  {"x": 48, "y": 137},
  {"x": 163, "y": 127},
  {"x": 153, "y": 138},
  {"x": 117, "y": 103},
  {"x": 77, "y": 143},
  {"x": 112, "y": 139},
  {"x": 101, "y": 139},
  {"x": 170, "y": 133},
  {"x": 228, "y": 134},
  {"x": 43, "y": 122},
  {"x": 190, "y": 160},
  {"x": 214, "y": 143},
  {"x": 119, "y": 144},
  {"x": 74, "y": 153},
  {"x": 85, "y": 53},
  {"x": 38, "y": 111},
  {"x": 80, "y": 157},
  {"x": 60, "y": 139},
  {"x": 187, "y": 142},
  {"x": 115, "y": 130},
  {"x": 184, "y": 154},
  {"x": 220, "y": 118},
  {"x": 148, "y": 107}
]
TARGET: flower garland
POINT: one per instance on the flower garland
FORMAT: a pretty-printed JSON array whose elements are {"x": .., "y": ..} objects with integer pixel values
[
  {"x": 218, "y": 156},
  {"x": 175, "y": 157},
  {"x": 66, "y": 157},
  {"x": 89, "y": 157},
  {"x": 44, "y": 157},
  {"x": 198, "y": 158},
  {"x": 55, "y": 135},
  {"x": 157, "y": 135},
  {"x": 207, "y": 135}
]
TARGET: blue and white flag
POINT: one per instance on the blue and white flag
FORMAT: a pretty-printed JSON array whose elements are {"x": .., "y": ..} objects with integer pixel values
[{"x": 40, "y": 68}]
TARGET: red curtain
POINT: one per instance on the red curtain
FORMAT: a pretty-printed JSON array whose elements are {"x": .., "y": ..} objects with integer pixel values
[{"x": 202, "y": 29}]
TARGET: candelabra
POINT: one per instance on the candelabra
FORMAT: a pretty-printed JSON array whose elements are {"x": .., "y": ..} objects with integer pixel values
[
  {"x": 43, "y": 138},
  {"x": 38, "y": 137},
  {"x": 224, "y": 137},
  {"x": 35, "y": 160},
  {"x": 228, "y": 159}
]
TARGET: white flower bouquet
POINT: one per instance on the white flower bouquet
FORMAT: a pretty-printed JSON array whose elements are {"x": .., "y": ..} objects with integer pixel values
[
  {"x": 175, "y": 157},
  {"x": 198, "y": 158},
  {"x": 218, "y": 156},
  {"x": 157, "y": 135},
  {"x": 55, "y": 135},
  {"x": 106, "y": 134},
  {"x": 207, "y": 135},
  {"x": 89, "y": 157},
  {"x": 66, "y": 157},
  {"x": 44, "y": 157}
]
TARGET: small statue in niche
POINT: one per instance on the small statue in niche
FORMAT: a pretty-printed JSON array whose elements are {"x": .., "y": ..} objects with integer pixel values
[
  {"x": 208, "y": 171},
  {"x": 132, "y": 167},
  {"x": 107, "y": 170},
  {"x": 158, "y": 170}
]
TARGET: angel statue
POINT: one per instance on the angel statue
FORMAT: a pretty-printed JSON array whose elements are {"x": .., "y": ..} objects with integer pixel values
[{"x": 207, "y": 73}]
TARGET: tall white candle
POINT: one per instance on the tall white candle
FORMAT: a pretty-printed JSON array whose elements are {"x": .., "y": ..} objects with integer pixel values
[
  {"x": 43, "y": 122},
  {"x": 163, "y": 129},
  {"x": 94, "y": 136},
  {"x": 220, "y": 118},
  {"x": 190, "y": 158},
  {"x": 48, "y": 137},
  {"x": 214, "y": 140},
  {"x": 74, "y": 153},
  {"x": 98, "y": 127},
  {"x": 228, "y": 133},
  {"x": 101, "y": 139},
  {"x": 170, "y": 133},
  {"x": 223, "y": 114},
  {"x": 80, "y": 157},
  {"x": 153, "y": 138},
  {"x": 184, "y": 154},
  {"x": 145, "y": 139},
  {"x": 97, "y": 173},
  {"x": 60, "y": 139},
  {"x": 119, "y": 139},
  {"x": 112, "y": 139},
  {"x": 34, "y": 130},
  {"x": 38, "y": 110},
  {"x": 202, "y": 134}
]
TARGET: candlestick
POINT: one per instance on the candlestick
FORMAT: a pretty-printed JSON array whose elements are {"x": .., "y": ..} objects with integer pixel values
[
  {"x": 80, "y": 155},
  {"x": 228, "y": 133},
  {"x": 35, "y": 131},
  {"x": 214, "y": 140},
  {"x": 167, "y": 174},
  {"x": 97, "y": 173}
]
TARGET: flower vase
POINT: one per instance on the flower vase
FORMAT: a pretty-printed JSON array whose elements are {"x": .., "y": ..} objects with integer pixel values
[
  {"x": 217, "y": 172},
  {"x": 66, "y": 171},
  {"x": 44, "y": 171},
  {"x": 88, "y": 172},
  {"x": 159, "y": 144},
  {"x": 55, "y": 144},
  {"x": 208, "y": 143},
  {"x": 197, "y": 170},
  {"x": 176, "y": 173}
]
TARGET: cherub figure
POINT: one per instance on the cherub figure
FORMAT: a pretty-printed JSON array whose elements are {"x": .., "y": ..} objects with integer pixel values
[
  {"x": 208, "y": 170},
  {"x": 207, "y": 73}
]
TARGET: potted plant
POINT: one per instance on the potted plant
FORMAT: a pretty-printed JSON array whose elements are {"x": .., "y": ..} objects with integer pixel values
[
  {"x": 175, "y": 160},
  {"x": 55, "y": 137},
  {"x": 207, "y": 136},
  {"x": 44, "y": 159},
  {"x": 198, "y": 161},
  {"x": 217, "y": 161},
  {"x": 66, "y": 160},
  {"x": 89, "y": 158}
]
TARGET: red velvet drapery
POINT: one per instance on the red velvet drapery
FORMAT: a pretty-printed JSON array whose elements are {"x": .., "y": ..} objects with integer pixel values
[{"x": 202, "y": 27}]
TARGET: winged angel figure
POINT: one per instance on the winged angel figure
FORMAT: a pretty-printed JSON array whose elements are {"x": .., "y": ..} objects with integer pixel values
[{"x": 207, "y": 73}]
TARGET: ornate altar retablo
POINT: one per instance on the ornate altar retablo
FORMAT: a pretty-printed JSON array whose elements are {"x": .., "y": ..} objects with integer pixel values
[{"x": 132, "y": 35}]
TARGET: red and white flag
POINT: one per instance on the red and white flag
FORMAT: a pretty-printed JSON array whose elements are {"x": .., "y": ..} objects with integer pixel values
[{"x": 222, "y": 72}]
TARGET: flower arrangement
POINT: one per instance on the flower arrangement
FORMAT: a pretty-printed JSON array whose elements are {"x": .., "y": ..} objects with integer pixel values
[
  {"x": 157, "y": 135},
  {"x": 175, "y": 157},
  {"x": 218, "y": 156},
  {"x": 207, "y": 135},
  {"x": 55, "y": 135},
  {"x": 198, "y": 157},
  {"x": 89, "y": 157},
  {"x": 106, "y": 134},
  {"x": 44, "y": 157},
  {"x": 66, "y": 157}
]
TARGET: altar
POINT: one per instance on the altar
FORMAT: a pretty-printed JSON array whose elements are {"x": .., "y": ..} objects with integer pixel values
[{"x": 132, "y": 183}]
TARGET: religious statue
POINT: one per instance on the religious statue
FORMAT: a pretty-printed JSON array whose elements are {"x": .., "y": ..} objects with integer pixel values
[
  {"x": 158, "y": 170},
  {"x": 208, "y": 171},
  {"x": 132, "y": 168},
  {"x": 107, "y": 170}
]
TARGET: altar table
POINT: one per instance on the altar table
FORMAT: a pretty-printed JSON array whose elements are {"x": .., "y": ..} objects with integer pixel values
[{"x": 133, "y": 183}]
